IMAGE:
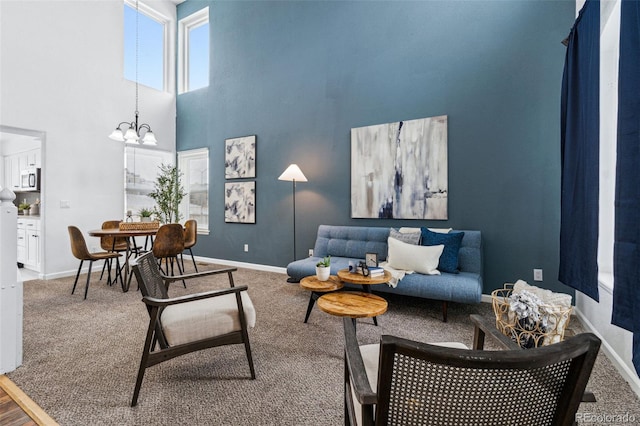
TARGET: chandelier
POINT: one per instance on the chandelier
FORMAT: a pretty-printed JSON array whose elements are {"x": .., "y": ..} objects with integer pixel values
[{"x": 134, "y": 132}]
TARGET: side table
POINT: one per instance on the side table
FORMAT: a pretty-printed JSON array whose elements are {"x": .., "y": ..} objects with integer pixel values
[
  {"x": 317, "y": 287},
  {"x": 366, "y": 282},
  {"x": 353, "y": 304}
]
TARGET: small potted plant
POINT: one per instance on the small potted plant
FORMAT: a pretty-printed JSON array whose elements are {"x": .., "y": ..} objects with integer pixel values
[
  {"x": 145, "y": 214},
  {"x": 23, "y": 207},
  {"x": 323, "y": 268}
]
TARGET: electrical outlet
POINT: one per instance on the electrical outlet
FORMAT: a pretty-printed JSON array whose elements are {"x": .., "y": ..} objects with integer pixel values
[
  {"x": 537, "y": 274},
  {"x": 310, "y": 252},
  {"x": 246, "y": 247}
]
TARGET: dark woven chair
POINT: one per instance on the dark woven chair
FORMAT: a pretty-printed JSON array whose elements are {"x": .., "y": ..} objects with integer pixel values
[
  {"x": 402, "y": 382},
  {"x": 82, "y": 253},
  {"x": 185, "y": 324}
]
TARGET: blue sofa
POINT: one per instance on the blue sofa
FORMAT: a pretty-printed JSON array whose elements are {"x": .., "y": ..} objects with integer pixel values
[{"x": 351, "y": 243}]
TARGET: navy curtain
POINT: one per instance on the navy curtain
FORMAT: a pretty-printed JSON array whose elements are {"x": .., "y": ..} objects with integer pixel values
[
  {"x": 580, "y": 129},
  {"x": 626, "y": 260}
]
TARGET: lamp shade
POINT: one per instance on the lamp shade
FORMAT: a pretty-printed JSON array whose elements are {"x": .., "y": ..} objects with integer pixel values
[
  {"x": 293, "y": 173},
  {"x": 149, "y": 138},
  {"x": 117, "y": 135},
  {"x": 131, "y": 135}
]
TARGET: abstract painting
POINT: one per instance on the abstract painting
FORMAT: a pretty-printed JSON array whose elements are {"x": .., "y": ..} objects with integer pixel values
[
  {"x": 399, "y": 170},
  {"x": 240, "y": 202},
  {"x": 240, "y": 157}
]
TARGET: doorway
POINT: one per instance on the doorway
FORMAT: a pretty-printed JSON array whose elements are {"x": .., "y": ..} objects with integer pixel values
[{"x": 22, "y": 150}]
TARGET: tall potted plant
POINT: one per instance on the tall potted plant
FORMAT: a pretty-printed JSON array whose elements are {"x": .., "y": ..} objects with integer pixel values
[{"x": 168, "y": 194}]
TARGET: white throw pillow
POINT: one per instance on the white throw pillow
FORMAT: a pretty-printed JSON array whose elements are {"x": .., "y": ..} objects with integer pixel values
[{"x": 410, "y": 257}]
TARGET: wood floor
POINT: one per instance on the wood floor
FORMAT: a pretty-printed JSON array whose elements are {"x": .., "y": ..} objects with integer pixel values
[{"x": 17, "y": 409}]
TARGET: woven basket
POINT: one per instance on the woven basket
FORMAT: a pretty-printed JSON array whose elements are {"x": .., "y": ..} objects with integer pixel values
[
  {"x": 526, "y": 334},
  {"x": 138, "y": 226}
]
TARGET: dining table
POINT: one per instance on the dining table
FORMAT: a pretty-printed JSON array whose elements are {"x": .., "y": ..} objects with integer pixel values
[{"x": 128, "y": 235}]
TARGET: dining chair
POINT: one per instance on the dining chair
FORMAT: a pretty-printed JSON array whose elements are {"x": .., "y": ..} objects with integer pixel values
[
  {"x": 116, "y": 244},
  {"x": 402, "y": 382},
  {"x": 181, "y": 325},
  {"x": 168, "y": 245},
  {"x": 81, "y": 252},
  {"x": 190, "y": 240}
]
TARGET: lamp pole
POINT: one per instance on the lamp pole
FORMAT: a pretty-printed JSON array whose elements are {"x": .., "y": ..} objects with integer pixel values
[
  {"x": 293, "y": 174},
  {"x": 294, "y": 219}
]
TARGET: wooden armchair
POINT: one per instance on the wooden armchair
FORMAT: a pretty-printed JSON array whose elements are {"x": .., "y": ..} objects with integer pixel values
[
  {"x": 402, "y": 382},
  {"x": 185, "y": 324}
]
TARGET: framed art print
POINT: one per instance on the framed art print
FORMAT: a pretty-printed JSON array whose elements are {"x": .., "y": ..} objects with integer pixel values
[
  {"x": 240, "y": 157},
  {"x": 240, "y": 202}
]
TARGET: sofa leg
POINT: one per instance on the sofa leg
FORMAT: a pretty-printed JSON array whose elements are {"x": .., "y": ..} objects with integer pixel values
[
  {"x": 444, "y": 311},
  {"x": 292, "y": 280}
]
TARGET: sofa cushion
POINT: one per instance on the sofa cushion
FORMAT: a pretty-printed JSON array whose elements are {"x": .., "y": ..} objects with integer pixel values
[
  {"x": 405, "y": 237},
  {"x": 351, "y": 241},
  {"x": 422, "y": 259},
  {"x": 452, "y": 241}
]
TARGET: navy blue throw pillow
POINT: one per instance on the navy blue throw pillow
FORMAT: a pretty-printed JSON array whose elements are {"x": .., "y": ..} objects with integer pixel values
[{"x": 452, "y": 241}]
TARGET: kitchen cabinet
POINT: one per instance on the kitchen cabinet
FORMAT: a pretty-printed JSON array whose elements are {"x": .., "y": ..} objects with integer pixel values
[
  {"x": 31, "y": 159},
  {"x": 22, "y": 241},
  {"x": 12, "y": 172},
  {"x": 29, "y": 243},
  {"x": 14, "y": 165}
]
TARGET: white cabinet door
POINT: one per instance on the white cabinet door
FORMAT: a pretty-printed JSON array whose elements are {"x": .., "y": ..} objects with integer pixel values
[
  {"x": 15, "y": 165},
  {"x": 22, "y": 242},
  {"x": 29, "y": 243},
  {"x": 32, "y": 158},
  {"x": 33, "y": 250}
]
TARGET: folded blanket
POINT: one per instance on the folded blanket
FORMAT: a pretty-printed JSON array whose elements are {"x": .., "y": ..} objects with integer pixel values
[{"x": 396, "y": 274}]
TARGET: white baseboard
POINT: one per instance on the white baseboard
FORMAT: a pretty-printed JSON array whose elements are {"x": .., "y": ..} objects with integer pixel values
[
  {"x": 255, "y": 266},
  {"x": 627, "y": 374}
]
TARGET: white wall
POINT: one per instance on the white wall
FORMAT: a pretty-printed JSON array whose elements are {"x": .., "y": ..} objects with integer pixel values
[{"x": 61, "y": 72}]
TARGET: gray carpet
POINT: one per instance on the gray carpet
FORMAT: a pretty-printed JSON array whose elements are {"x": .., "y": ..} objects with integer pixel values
[{"x": 81, "y": 358}]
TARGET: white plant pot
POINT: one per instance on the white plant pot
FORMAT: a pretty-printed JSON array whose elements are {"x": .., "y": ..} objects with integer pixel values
[
  {"x": 323, "y": 272},
  {"x": 145, "y": 219}
]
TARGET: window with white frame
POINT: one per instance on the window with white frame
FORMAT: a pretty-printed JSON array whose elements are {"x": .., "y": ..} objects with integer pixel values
[
  {"x": 609, "y": 56},
  {"x": 194, "y": 166},
  {"x": 146, "y": 29},
  {"x": 141, "y": 167},
  {"x": 193, "y": 51}
]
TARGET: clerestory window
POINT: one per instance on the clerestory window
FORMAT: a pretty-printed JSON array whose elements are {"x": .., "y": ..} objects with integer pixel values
[{"x": 193, "y": 51}]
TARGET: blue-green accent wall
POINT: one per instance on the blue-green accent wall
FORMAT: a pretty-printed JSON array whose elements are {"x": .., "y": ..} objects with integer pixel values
[{"x": 301, "y": 74}]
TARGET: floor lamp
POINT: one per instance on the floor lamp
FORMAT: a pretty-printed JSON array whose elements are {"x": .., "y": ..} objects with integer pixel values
[{"x": 293, "y": 174}]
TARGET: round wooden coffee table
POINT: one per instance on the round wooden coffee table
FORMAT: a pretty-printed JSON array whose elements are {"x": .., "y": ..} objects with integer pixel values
[
  {"x": 316, "y": 287},
  {"x": 352, "y": 278},
  {"x": 353, "y": 304},
  {"x": 365, "y": 282}
]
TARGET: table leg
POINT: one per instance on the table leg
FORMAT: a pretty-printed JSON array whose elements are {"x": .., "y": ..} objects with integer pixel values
[
  {"x": 312, "y": 301},
  {"x": 126, "y": 280},
  {"x": 367, "y": 289}
]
